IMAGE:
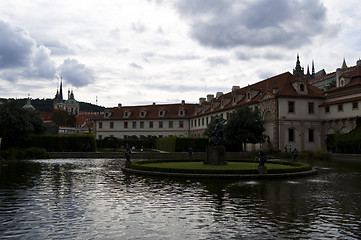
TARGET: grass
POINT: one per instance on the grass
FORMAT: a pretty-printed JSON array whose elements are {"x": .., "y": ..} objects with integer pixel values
[{"x": 233, "y": 167}]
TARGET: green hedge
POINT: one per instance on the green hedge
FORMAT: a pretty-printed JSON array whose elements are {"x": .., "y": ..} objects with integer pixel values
[
  {"x": 345, "y": 143},
  {"x": 65, "y": 143},
  {"x": 111, "y": 142},
  {"x": 177, "y": 144},
  {"x": 27, "y": 153}
]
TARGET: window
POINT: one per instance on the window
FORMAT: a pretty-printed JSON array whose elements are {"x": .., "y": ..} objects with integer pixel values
[
  {"x": 207, "y": 120},
  {"x": 291, "y": 107},
  {"x": 199, "y": 121},
  {"x": 100, "y": 125},
  {"x": 202, "y": 121},
  {"x": 142, "y": 113},
  {"x": 181, "y": 113},
  {"x": 141, "y": 124},
  {"x": 161, "y": 113},
  {"x": 125, "y": 124},
  {"x": 100, "y": 137},
  {"x": 302, "y": 87},
  {"x": 340, "y": 107},
  {"x": 134, "y": 124},
  {"x": 311, "y": 108},
  {"x": 291, "y": 135},
  {"x": 160, "y": 123},
  {"x": 327, "y": 109},
  {"x": 181, "y": 124},
  {"x": 151, "y": 124},
  {"x": 170, "y": 124},
  {"x": 355, "y": 105},
  {"x": 310, "y": 135},
  {"x": 111, "y": 125}
]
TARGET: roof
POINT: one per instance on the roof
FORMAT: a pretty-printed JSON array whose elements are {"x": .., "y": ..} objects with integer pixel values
[{"x": 155, "y": 111}]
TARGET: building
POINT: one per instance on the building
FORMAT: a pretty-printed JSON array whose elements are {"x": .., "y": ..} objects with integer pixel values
[
  {"x": 145, "y": 121},
  {"x": 297, "y": 111},
  {"x": 70, "y": 105}
]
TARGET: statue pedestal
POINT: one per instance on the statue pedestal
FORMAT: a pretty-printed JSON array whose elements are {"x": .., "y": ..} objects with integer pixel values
[
  {"x": 262, "y": 170},
  {"x": 215, "y": 155}
]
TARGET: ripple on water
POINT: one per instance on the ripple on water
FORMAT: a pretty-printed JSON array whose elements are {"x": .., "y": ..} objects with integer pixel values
[{"x": 93, "y": 199}]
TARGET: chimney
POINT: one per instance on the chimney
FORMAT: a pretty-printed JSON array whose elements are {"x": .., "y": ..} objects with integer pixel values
[
  {"x": 218, "y": 94},
  {"x": 153, "y": 103},
  {"x": 201, "y": 100},
  {"x": 234, "y": 88},
  {"x": 183, "y": 102},
  {"x": 210, "y": 97},
  {"x": 119, "y": 105},
  {"x": 358, "y": 63}
]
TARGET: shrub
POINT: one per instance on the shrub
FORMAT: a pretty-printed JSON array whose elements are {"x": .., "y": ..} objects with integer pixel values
[{"x": 27, "y": 153}]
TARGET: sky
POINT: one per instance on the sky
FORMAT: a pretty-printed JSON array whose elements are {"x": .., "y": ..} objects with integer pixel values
[{"x": 164, "y": 51}]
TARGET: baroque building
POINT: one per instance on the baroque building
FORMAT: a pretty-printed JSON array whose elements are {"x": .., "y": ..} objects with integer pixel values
[
  {"x": 70, "y": 105},
  {"x": 297, "y": 111}
]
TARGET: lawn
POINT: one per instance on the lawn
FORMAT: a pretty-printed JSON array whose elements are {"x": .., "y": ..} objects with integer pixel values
[{"x": 233, "y": 167}]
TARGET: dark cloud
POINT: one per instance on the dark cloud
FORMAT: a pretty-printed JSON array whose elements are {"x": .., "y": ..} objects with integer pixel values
[
  {"x": 20, "y": 56},
  {"x": 16, "y": 46},
  {"x": 271, "y": 55},
  {"x": 232, "y": 23},
  {"x": 76, "y": 73}
]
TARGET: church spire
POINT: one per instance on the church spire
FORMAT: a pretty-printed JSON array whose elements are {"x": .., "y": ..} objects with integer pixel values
[
  {"x": 61, "y": 90},
  {"x": 344, "y": 65},
  {"x": 298, "y": 71}
]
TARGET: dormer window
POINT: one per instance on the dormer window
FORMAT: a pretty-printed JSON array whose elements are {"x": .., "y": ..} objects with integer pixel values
[
  {"x": 127, "y": 114},
  {"x": 248, "y": 96},
  {"x": 161, "y": 113},
  {"x": 342, "y": 83},
  {"x": 181, "y": 112},
  {"x": 302, "y": 87},
  {"x": 143, "y": 113}
]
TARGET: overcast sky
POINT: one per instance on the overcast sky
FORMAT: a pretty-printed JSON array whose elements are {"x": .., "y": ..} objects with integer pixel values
[{"x": 144, "y": 51}]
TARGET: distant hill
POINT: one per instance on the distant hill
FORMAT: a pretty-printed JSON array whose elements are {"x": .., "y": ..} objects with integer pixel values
[{"x": 46, "y": 105}]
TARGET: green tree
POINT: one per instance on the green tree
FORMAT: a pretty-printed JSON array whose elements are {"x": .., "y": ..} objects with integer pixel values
[
  {"x": 17, "y": 125},
  {"x": 63, "y": 118},
  {"x": 244, "y": 126}
]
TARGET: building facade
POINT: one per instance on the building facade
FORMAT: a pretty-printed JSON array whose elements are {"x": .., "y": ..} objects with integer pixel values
[{"x": 296, "y": 113}]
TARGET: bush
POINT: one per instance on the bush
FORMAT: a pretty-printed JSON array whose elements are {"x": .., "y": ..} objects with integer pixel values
[
  {"x": 177, "y": 144},
  {"x": 65, "y": 143},
  {"x": 27, "y": 153}
]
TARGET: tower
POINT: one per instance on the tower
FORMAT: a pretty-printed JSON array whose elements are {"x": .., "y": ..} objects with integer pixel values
[{"x": 298, "y": 71}]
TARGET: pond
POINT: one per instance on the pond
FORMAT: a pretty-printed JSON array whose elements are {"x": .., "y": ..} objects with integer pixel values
[{"x": 94, "y": 199}]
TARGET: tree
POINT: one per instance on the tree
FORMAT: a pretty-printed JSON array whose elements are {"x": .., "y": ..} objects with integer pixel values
[
  {"x": 244, "y": 126},
  {"x": 63, "y": 118},
  {"x": 17, "y": 125}
]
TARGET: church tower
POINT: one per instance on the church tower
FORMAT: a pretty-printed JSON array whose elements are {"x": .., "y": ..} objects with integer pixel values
[{"x": 298, "y": 71}]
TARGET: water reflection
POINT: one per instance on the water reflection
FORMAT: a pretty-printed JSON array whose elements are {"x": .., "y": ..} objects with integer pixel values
[{"x": 92, "y": 198}]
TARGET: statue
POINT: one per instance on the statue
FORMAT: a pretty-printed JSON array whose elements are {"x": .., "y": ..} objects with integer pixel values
[
  {"x": 262, "y": 158},
  {"x": 217, "y": 134},
  {"x": 127, "y": 155},
  {"x": 215, "y": 149}
]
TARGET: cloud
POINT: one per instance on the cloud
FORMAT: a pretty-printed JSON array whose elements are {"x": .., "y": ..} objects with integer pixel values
[
  {"x": 214, "y": 61},
  {"x": 233, "y": 23},
  {"x": 21, "y": 57},
  {"x": 76, "y": 73},
  {"x": 134, "y": 65}
]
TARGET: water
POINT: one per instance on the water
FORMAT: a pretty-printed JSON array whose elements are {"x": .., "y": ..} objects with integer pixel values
[{"x": 94, "y": 199}]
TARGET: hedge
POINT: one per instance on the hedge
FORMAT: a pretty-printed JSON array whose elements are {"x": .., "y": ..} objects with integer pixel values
[
  {"x": 65, "y": 143},
  {"x": 112, "y": 142},
  {"x": 177, "y": 144}
]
